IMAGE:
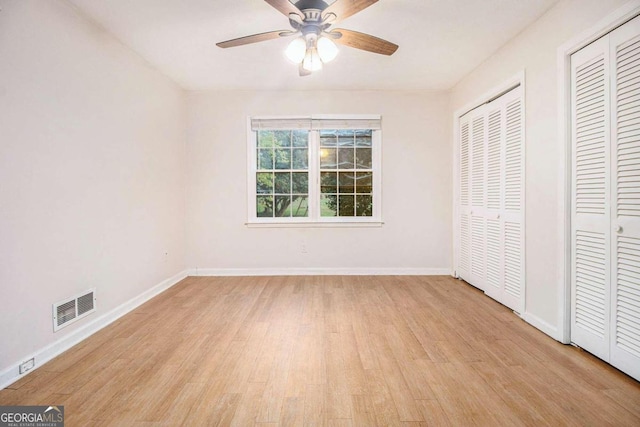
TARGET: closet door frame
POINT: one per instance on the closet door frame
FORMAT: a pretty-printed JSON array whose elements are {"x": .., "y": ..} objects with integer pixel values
[
  {"x": 516, "y": 80},
  {"x": 617, "y": 18}
]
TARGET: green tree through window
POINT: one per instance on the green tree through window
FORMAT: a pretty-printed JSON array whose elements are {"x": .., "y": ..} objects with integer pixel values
[{"x": 282, "y": 177}]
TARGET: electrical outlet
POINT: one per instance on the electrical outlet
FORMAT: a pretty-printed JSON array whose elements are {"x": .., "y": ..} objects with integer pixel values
[
  {"x": 303, "y": 248},
  {"x": 28, "y": 365}
]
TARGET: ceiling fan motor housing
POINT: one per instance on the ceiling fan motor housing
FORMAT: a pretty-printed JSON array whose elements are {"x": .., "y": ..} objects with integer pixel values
[{"x": 311, "y": 4}]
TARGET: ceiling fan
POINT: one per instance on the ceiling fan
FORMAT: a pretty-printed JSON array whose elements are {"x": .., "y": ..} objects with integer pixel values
[{"x": 311, "y": 21}]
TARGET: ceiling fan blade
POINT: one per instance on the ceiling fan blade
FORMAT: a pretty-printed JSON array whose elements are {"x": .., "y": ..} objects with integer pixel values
[
  {"x": 255, "y": 38},
  {"x": 363, "y": 41},
  {"x": 345, "y": 8},
  {"x": 285, "y": 7},
  {"x": 302, "y": 71}
]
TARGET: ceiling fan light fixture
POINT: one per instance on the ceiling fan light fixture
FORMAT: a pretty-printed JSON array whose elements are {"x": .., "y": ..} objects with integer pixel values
[
  {"x": 312, "y": 61},
  {"x": 296, "y": 50},
  {"x": 315, "y": 38},
  {"x": 327, "y": 49}
]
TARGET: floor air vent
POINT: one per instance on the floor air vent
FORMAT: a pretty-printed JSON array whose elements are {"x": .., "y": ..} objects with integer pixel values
[{"x": 72, "y": 309}]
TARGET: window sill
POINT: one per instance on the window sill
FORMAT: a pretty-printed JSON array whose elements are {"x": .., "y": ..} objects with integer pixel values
[{"x": 344, "y": 224}]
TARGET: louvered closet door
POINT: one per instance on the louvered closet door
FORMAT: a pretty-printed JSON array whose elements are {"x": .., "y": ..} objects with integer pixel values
[
  {"x": 512, "y": 215},
  {"x": 464, "y": 211},
  {"x": 606, "y": 198},
  {"x": 478, "y": 185},
  {"x": 491, "y": 237},
  {"x": 590, "y": 308},
  {"x": 625, "y": 227},
  {"x": 494, "y": 223},
  {"x": 504, "y": 212}
]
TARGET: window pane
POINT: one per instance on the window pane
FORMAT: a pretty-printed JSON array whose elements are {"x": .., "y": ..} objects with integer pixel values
[
  {"x": 283, "y": 158},
  {"x": 300, "y": 181},
  {"x": 266, "y": 139},
  {"x": 346, "y": 183},
  {"x": 328, "y": 158},
  {"x": 282, "y": 183},
  {"x": 364, "y": 182},
  {"x": 328, "y": 205},
  {"x": 363, "y": 158},
  {"x": 300, "y": 206},
  {"x": 300, "y": 138},
  {"x": 264, "y": 206},
  {"x": 346, "y": 138},
  {"x": 363, "y": 138},
  {"x": 353, "y": 152},
  {"x": 282, "y": 138},
  {"x": 346, "y": 205},
  {"x": 329, "y": 182},
  {"x": 328, "y": 138},
  {"x": 264, "y": 183},
  {"x": 283, "y": 205},
  {"x": 300, "y": 158},
  {"x": 265, "y": 158},
  {"x": 345, "y": 158},
  {"x": 364, "y": 205}
]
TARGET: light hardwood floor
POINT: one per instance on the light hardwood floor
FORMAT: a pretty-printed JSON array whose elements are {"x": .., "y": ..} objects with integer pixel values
[{"x": 334, "y": 351}]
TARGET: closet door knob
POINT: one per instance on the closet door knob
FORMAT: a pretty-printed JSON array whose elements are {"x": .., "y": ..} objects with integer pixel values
[{"x": 619, "y": 229}]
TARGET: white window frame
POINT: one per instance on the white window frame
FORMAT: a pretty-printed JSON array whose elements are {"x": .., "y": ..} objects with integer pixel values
[{"x": 314, "y": 219}]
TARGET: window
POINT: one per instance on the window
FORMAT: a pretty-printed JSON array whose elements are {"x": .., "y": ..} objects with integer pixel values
[
  {"x": 314, "y": 170},
  {"x": 282, "y": 176}
]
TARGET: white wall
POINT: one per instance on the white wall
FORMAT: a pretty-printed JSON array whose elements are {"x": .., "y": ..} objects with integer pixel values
[
  {"x": 535, "y": 52},
  {"x": 92, "y": 150},
  {"x": 417, "y": 185}
]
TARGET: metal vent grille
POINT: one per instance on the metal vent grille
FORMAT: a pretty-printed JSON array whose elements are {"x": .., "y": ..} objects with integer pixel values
[
  {"x": 85, "y": 304},
  {"x": 73, "y": 309},
  {"x": 66, "y": 312}
]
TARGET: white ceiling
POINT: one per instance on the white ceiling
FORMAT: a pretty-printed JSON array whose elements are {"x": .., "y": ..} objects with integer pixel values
[{"x": 440, "y": 41}]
